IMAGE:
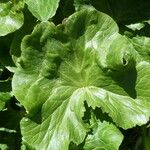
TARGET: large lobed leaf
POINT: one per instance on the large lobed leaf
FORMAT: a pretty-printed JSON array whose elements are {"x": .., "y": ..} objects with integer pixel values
[{"x": 84, "y": 59}]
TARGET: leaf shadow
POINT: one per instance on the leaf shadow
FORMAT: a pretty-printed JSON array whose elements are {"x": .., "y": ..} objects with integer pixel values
[{"x": 126, "y": 80}]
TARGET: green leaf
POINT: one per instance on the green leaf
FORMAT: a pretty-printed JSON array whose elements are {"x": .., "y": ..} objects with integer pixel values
[
  {"x": 142, "y": 46},
  {"x": 27, "y": 28},
  {"x": 3, "y": 147},
  {"x": 82, "y": 60},
  {"x": 63, "y": 119},
  {"x": 11, "y": 17},
  {"x": 5, "y": 92},
  {"x": 125, "y": 111},
  {"x": 4, "y": 97},
  {"x": 135, "y": 26},
  {"x": 106, "y": 136},
  {"x": 43, "y": 9}
]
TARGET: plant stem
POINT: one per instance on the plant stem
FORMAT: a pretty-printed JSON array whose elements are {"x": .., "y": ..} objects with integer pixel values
[{"x": 145, "y": 138}]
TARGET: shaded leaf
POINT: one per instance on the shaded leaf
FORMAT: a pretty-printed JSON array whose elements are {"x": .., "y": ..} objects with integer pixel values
[{"x": 124, "y": 12}]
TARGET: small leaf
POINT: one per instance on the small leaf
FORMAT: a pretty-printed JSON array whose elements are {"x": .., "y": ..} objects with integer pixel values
[
  {"x": 4, "y": 97},
  {"x": 136, "y": 26},
  {"x": 5, "y": 92},
  {"x": 43, "y": 9},
  {"x": 11, "y": 19},
  {"x": 105, "y": 137}
]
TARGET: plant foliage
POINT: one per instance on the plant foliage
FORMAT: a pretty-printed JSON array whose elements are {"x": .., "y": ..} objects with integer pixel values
[{"x": 74, "y": 75}]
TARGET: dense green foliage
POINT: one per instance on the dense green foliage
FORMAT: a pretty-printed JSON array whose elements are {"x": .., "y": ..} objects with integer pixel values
[{"x": 74, "y": 74}]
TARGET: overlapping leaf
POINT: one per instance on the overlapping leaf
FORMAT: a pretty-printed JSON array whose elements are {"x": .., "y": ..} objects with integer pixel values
[
  {"x": 61, "y": 67},
  {"x": 142, "y": 46},
  {"x": 11, "y": 17},
  {"x": 5, "y": 90},
  {"x": 43, "y": 9},
  {"x": 105, "y": 136}
]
